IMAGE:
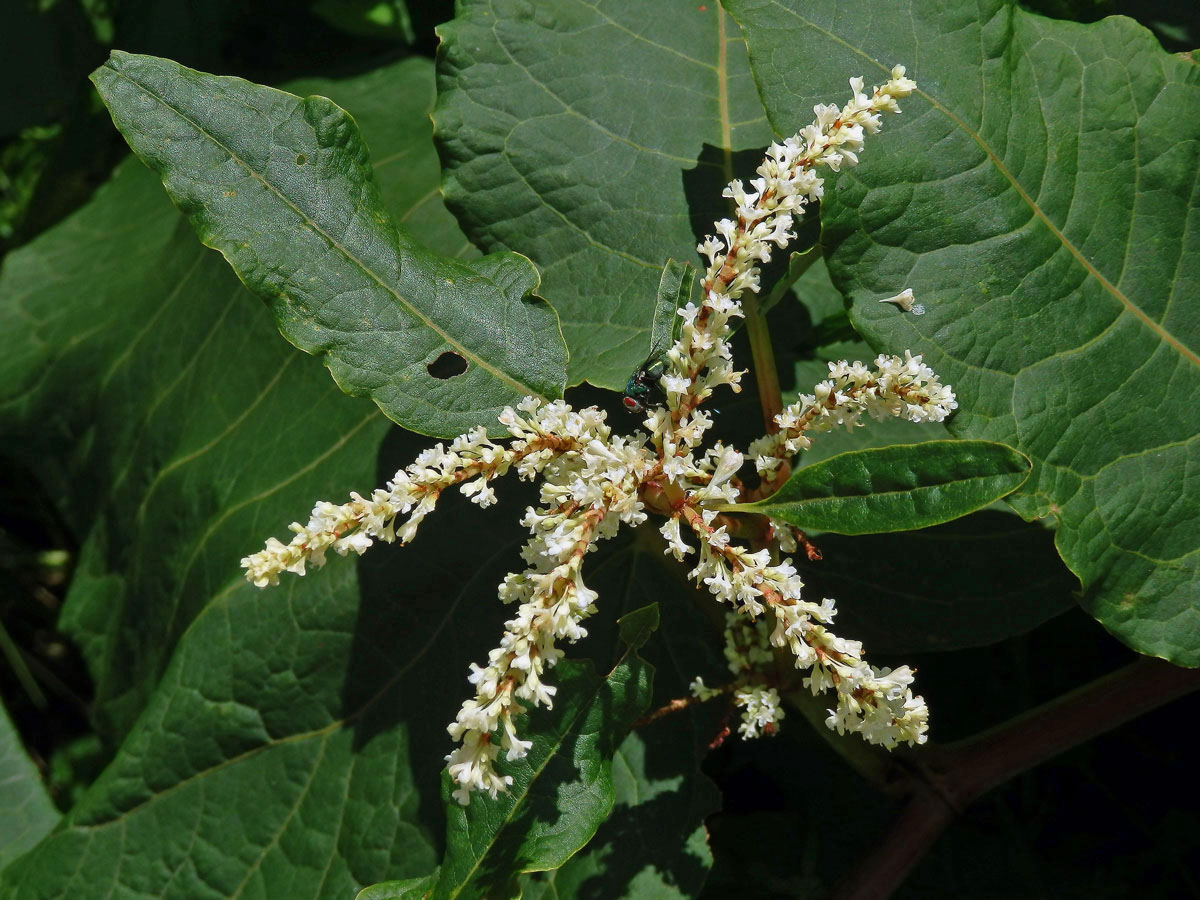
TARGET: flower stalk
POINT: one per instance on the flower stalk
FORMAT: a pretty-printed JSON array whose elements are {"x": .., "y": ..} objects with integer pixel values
[{"x": 592, "y": 482}]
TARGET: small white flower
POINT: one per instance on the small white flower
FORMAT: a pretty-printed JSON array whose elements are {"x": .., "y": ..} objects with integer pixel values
[
  {"x": 761, "y": 712},
  {"x": 904, "y": 300},
  {"x": 676, "y": 545},
  {"x": 700, "y": 690}
]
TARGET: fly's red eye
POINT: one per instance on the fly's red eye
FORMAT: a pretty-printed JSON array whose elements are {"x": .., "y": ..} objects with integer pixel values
[{"x": 631, "y": 404}]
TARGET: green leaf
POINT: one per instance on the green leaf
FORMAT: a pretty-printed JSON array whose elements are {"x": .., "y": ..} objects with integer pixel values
[
  {"x": 895, "y": 488},
  {"x": 404, "y": 889},
  {"x": 29, "y": 814},
  {"x": 378, "y": 19},
  {"x": 149, "y": 393},
  {"x": 674, "y": 291},
  {"x": 637, "y": 626},
  {"x": 283, "y": 188},
  {"x": 562, "y": 790},
  {"x": 797, "y": 265},
  {"x": 1039, "y": 196},
  {"x": 597, "y": 142}
]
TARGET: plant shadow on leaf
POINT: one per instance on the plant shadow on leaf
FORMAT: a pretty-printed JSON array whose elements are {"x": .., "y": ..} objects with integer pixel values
[
  {"x": 945, "y": 587},
  {"x": 704, "y": 182}
]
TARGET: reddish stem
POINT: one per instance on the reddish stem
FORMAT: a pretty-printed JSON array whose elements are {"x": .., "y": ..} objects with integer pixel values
[{"x": 943, "y": 781}]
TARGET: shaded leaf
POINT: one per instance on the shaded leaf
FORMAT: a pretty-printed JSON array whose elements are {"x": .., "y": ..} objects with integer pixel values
[
  {"x": 797, "y": 264},
  {"x": 597, "y": 171},
  {"x": 674, "y": 292},
  {"x": 47, "y": 47},
  {"x": 282, "y": 187},
  {"x": 967, "y": 583},
  {"x": 1039, "y": 196},
  {"x": 29, "y": 814},
  {"x": 382, "y": 19},
  {"x": 895, "y": 488}
]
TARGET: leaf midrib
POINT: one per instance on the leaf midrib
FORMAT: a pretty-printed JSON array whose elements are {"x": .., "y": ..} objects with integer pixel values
[{"x": 767, "y": 504}]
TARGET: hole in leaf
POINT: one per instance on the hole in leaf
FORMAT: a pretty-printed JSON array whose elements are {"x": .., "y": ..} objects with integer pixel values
[
  {"x": 447, "y": 366},
  {"x": 301, "y": 159}
]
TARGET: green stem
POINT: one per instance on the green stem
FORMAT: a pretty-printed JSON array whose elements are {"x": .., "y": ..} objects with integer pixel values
[
  {"x": 16, "y": 662},
  {"x": 766, "y": 375}
]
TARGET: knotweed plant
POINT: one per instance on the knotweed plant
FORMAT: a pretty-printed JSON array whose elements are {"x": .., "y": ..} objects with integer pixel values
[{"x": 593, "y": 481}]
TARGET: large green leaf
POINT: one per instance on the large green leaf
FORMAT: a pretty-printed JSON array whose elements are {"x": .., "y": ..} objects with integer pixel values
[
  {"x": 29, "y": 813},
  {"x": 596, "y": 140},
  {"x": 896, "y": 488},
  {"x": 1039, "y": 196},
  {"x": 264, "y": 742},
  {"x": 283, "y": 188}
]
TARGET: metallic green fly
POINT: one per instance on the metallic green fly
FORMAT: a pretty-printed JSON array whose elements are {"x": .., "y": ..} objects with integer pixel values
[{"x": 647, "y": 380}]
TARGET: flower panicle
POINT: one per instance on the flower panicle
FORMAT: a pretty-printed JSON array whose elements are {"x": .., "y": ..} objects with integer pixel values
[
  {"x": 589, "y": 488},
  {"x": 592, "y": 482},
  {"x": 875, "y": 703},
  {"x": 896, "y": 387},
  {"x": 586, "y": 496},
  {"x": 541, "y": 432},
  {"x": 787, "y": 182}
]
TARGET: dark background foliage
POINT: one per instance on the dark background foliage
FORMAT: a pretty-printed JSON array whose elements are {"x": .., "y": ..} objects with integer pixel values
[{"x": 1109, "y": 819}]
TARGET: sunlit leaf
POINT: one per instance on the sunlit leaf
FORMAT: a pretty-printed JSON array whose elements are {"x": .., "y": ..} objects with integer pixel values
[
  {"x": 283, "y": 187},
  {"x": 895, "y": 488},
  {"x": 596, "y": 140},
  {"x": 1038, "y": 194}
]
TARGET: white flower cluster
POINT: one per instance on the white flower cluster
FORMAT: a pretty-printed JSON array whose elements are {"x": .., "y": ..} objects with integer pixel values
[
  {"x": 471, "y": 461},
  {"x": 788, "y": 181},
  {"x": 593, "y": 482},
  {"x": 587, "y": 492},
  {"x": 748, "y": 654},
  {"x": 875, "y": 703},
  {"x": 761, "y": 711},
  {"x": 901, "y": 388}
]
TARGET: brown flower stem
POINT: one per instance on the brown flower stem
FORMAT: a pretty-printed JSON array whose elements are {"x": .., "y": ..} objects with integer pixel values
[
  {"x": 942, "y": 781},
  {"x": 674, "y": 706}
]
